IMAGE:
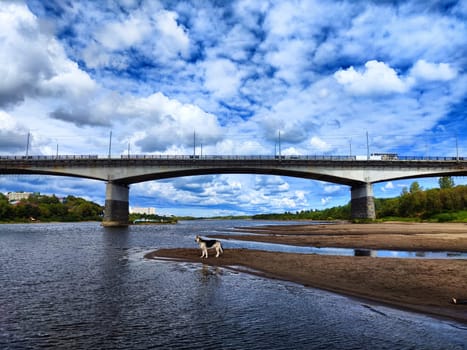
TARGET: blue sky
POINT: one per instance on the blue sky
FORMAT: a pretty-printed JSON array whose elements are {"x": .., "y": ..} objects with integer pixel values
[{"x": 322, "y": 73}]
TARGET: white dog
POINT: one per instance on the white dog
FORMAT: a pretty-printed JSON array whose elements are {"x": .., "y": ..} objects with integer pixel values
[{"x": 205, "y": 244}]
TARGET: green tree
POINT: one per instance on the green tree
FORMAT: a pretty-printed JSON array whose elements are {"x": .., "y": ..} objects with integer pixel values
[
  {"x": 26, "y": 210},
  {"x": 433, "y": 202},
  {"x": 415, "y": 187},
  {"x": 418, "y": 203},
  {"x": 386, "y": 207},
  {"x": 404, "y": 191},
  {"x": 446, "y": 182},
  {"x": 5, "y": 208}
]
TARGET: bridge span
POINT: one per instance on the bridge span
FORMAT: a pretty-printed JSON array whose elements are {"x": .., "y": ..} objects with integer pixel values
[{"x": 119, "y": 173}]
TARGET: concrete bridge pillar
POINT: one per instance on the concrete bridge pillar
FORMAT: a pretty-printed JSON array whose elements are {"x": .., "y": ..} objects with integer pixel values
[
  {"x": 362, "y": 202},
  {"x": 116, "y": 204}
]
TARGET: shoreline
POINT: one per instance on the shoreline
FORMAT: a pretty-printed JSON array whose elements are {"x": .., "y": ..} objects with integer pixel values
[{"x": 421, "y": 285}]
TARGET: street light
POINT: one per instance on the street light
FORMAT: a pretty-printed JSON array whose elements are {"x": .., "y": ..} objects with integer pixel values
[{"x": 27, "y": 144}]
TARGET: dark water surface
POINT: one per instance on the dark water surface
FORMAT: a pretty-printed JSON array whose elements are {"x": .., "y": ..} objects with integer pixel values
[{"x": 82, "y": 286}]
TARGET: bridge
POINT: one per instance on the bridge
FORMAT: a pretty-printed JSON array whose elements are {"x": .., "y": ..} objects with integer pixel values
[{"x": 119, "y": 173}]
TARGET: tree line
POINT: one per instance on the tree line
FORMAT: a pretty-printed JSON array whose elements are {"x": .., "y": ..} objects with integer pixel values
[
  {"x": 443, "y": 204},
  {"x": 39, "y": 207},
  {"x": 447, "y": 203}
]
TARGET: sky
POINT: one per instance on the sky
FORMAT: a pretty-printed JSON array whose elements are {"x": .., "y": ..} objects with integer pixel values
[{"x": 146, "y": 76}]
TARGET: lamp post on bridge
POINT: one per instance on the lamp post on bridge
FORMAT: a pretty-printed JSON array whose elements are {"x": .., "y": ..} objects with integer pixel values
[
  {"x": 27, "y": 144},
  {"x": 367, "y": 147},
  {"x": 110, "y": 144}
]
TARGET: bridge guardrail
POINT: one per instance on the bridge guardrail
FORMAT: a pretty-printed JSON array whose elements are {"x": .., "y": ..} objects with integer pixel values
[{"x": 228, "y": 157}]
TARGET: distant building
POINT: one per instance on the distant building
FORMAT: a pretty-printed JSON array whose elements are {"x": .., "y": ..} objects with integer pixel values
[
  {"x": 17, "y": 196},
  {"x": 140, "y": 210}
]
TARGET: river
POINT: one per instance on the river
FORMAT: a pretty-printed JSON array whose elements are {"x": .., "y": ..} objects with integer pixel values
[{"x": 83, "y": 286}]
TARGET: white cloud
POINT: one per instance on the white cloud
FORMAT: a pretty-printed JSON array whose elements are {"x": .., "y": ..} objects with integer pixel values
[
  {"x": 424, "y": 70},
  {"x": 8, "y": 122},
  {"x": 34, "y": 63},
  {"x": 153, "y": 30},
  {"x": 325, "y": 201},
  {"x": 236, "y": 44},
  {"x": 377, "y": 78},
  {"x": 222, "y": 77},
  {"x": 167, "y": 122},
  {"x": 332, "y": 188},
  {"x": 12, "y": 135},
  {"x": 69, "y": 80},
  {"x": 173, "y": 38},
  {"x": 124, "y": 34},
  {"x": 290, "y": 58},
  {"x": 319, "y": 145},
  {"x": 387, "y": 187},
  {"x": 24, "y": 58}
]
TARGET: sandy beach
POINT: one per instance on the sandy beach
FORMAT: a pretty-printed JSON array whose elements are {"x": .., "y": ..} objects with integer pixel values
[{"x": 422, "y": 285}]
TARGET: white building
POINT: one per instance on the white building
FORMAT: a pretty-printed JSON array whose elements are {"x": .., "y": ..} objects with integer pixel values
[
  {"x": 140, "y": 210},
  {"x": 17, "y": 196}
]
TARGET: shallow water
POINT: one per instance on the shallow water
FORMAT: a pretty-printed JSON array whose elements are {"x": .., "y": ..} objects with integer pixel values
[
  {"x": 286, "y": 248},
  {"x": 83, "y": 286}
]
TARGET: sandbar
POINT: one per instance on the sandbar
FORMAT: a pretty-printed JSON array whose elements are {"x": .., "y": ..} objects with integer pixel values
[{"x": 421, "y": 285}]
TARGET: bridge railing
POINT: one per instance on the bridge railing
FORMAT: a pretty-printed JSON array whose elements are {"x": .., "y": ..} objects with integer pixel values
[{"x": 230, "y": 157}]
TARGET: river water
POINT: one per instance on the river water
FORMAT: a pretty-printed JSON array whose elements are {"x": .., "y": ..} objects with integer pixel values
[{"x": 82, "y": 286}]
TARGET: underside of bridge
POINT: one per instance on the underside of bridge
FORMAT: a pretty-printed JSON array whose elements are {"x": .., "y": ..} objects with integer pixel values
[{"x": 117, "y": 203}]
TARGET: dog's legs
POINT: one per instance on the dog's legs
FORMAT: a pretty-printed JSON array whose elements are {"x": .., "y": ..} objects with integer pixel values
[{"x": 219, "y": 250}]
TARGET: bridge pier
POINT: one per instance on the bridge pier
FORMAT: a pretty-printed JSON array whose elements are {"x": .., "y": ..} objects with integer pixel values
[
  {"x": 362, "y": 202},
  {"x": 116, "y": 205}
]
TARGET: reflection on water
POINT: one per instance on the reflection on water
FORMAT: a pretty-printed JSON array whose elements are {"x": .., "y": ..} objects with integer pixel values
[
  {"x": 81, "y": 286},
  {"x": 231, "y": 243}
]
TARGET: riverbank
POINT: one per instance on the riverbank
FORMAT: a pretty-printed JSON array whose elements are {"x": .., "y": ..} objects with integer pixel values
[{"x": 422, "y": 285}]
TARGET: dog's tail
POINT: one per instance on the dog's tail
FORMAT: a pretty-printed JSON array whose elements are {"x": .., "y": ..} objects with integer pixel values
[{"x": 220, "y": 246}]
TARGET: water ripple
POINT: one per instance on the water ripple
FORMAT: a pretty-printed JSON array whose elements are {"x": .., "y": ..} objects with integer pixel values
[{"x": 81, "y": 286}]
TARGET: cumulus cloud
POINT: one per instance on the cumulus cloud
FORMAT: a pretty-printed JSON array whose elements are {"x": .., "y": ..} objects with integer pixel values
[
  {"x": 387, "y": 187},
  {"x": 424, "y": 70},
  {"x": 168, "y": 122},
  {"x": 319, "y": 144},
  {"x": 222, "y": 77},
  {"x": 376, "y": 78},
  {"x": 24, "y": 59},
  {"x": 271, "y": 184},
  {"x": 80, "y": 116},
  {"x": 174, "y": 38},
  {"x": 12, "y": 135},
  {"x": 154, "y": 30},
  {"x": 34, "y": 63},
  {"x": 124, "y": 34}
]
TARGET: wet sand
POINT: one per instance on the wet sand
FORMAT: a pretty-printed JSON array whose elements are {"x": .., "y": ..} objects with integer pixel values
[{"x": 422, "y": 285}]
